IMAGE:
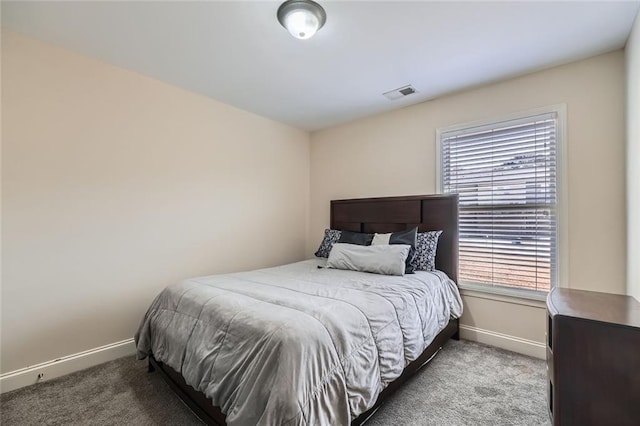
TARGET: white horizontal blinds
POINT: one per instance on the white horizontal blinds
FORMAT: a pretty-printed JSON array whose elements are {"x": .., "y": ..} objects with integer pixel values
[{"x": 505, "y": 175}]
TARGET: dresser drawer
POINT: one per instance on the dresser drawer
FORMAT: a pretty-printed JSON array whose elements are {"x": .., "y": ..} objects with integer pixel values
[{"x": 593, "y": 367}]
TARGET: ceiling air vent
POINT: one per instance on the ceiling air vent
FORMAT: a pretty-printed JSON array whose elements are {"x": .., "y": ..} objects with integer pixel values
[{"x": 400, "y": 92}]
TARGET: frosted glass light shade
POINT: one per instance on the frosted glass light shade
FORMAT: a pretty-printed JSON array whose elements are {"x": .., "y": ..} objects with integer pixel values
[
  {"x": 301, "y": 24},
  {"x": 302, "y": 18}
]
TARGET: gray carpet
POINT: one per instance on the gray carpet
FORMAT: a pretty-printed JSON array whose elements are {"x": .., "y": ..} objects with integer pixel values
[{"x": 466, "y": 384}]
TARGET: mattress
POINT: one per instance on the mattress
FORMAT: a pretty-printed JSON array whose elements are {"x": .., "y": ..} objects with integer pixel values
[{"x": 297, "y": 344}]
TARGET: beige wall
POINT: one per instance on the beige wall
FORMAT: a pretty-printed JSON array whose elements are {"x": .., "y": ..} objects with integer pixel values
[
  {"x": 115, "y": 185},
  {"x": 632, "y": 52},
  {"x": 394, "y": 154}
]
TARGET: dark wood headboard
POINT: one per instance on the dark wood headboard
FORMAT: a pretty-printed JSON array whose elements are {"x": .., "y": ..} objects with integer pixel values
[{"x": 391, "y": 214}]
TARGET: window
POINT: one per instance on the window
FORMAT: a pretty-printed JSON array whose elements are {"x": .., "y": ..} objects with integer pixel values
[{"x": 506, "y": 175}]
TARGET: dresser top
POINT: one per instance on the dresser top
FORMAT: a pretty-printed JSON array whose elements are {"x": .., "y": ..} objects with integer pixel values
[{"x": 590, "y": 305}]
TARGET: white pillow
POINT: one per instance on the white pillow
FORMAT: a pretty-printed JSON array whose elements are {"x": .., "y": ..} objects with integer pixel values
[
  {"x": 381, "y": 239},
  {"x": 379, "y": 259}
]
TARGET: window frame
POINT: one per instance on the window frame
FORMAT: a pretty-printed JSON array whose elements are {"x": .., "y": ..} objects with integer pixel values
[{"x": 561, "y": 192}]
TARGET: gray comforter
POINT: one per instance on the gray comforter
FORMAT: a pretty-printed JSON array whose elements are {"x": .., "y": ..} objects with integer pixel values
[{"x": 295, "y": 344}]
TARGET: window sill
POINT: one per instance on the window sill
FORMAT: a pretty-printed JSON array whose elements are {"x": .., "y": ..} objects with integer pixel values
[{"x": 509, "y": 295}]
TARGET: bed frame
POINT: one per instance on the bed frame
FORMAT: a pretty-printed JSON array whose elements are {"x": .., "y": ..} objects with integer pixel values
[{"x": 388, "y": 214}]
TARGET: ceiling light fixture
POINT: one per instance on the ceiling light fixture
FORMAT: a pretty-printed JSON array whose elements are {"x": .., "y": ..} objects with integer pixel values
[{"x": 302, "y": 18}]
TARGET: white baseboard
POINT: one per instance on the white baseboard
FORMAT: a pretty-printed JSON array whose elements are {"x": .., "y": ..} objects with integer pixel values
[
  {"x": 504, "y": 341},
  {"x": 76, "y": 362},
  {"x": 65, "y": 365}
]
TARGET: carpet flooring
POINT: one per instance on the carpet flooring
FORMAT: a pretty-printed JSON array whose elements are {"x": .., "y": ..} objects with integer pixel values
[{"x": 466, "y": 384}]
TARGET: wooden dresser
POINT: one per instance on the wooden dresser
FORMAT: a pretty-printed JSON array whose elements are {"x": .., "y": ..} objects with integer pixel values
[{"x": 593, "y": 358}]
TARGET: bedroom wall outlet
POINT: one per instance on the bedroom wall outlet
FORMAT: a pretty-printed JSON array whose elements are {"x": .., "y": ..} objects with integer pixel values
[{"x": 40, "y": 376}]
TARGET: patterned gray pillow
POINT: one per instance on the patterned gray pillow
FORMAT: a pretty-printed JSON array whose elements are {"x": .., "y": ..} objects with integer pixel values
[
  {"x": 331, "y": 236},
  {"x": 427, "y": 243}
]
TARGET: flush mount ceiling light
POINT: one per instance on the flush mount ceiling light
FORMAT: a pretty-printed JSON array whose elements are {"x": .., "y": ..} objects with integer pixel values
[{"x": 302, "y": 18}]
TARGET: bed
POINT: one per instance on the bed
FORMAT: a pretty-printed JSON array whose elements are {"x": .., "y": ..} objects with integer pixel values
[{"x": 303, "y": 344}]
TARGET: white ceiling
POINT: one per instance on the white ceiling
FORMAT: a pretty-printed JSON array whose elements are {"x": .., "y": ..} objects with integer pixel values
[{"x": 236, "y": 51}]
